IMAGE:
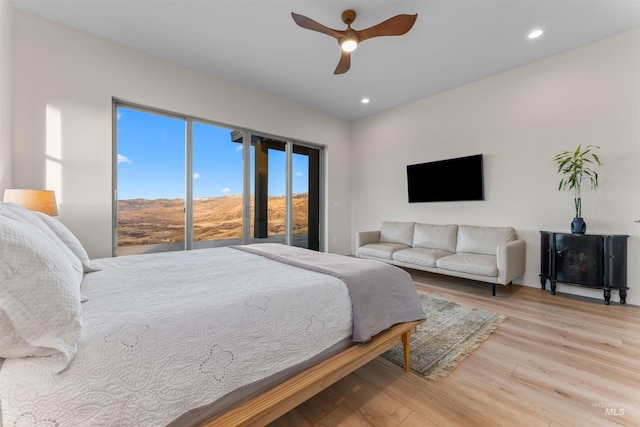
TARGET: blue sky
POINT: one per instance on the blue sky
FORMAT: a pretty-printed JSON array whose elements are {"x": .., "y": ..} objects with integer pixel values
[{"x": 151, "y": 160}]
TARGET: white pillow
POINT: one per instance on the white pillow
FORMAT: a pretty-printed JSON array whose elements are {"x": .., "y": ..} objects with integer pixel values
[
  {"x": 70, "y": 240},
  {"x": 23, "y": 215},
  {"x": 39, "y": 296}
]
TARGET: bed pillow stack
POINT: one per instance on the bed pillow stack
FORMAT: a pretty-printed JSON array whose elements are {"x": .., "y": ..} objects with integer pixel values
[
  {"x": 70, "y": 241},
  {"x": 40, "y": 277}
]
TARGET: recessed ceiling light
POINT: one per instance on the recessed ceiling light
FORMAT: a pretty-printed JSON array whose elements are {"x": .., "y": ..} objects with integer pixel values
[
  {"x": 535, "y": 34},
  {"x": 365, "y": 100}
]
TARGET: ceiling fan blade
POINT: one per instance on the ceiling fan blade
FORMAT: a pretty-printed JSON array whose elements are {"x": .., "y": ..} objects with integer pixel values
[
  {"x": 344, "y": 64},
  {"x": 310, "y": 24},
  {"x": 396, "y": 26}
]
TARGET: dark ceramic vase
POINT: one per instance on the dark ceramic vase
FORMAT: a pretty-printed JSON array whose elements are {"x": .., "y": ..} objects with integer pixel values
[{"x": 578, "y": 226}]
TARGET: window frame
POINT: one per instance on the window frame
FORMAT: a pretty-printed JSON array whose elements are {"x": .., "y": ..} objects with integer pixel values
[{"x": 247, "y": 135}]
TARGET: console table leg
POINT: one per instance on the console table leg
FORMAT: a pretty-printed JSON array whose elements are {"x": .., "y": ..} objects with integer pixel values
[
  {"x": 553, "y": 287},
  {"x": 607, "y": 296},
  {"x": 623, "y": 296}
]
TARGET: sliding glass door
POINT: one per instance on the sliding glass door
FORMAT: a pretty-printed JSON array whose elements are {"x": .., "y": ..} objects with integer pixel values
[
  {"x": 305, "y": 202},
  {"x": 269, "y": 190},
  {"x": 217, "y": 186},
  {"x": 286, "y": 206},
  {"x": 150, "y": 182},
  {"x": 182, "y": 183}
]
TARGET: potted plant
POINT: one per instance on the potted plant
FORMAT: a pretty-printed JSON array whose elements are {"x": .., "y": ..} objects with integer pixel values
[{"x": 575, "y": 167}]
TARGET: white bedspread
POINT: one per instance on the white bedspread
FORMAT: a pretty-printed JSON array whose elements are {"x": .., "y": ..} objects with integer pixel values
[{"x": 167, "y": 333}]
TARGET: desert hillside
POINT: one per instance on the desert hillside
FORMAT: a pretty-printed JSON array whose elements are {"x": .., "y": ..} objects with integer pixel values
[{"x": 144, "y": 222}]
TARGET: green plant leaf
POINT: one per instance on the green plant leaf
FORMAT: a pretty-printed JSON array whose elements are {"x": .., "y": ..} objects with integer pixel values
[{"x": 574, "y": 168}]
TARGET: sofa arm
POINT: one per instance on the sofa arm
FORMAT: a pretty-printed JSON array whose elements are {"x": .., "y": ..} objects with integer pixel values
[
  {"x": 511, "y": 261},
  {"x": 366, "y": 237}
]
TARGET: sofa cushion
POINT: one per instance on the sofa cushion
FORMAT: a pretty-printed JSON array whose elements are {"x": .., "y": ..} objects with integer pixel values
[
  {"x": 397, "y": 232},
  {"x": 483, "y": 240},
  {"x": 435, "y": 237},
  {"x": 480, "y": 264},
  {"x": 420, "y": 256},
  {"x": 380, "y": 250}
]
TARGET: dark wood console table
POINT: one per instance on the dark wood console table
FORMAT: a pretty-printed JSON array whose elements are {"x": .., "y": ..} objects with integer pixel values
[{"x": 589, "y": 260}]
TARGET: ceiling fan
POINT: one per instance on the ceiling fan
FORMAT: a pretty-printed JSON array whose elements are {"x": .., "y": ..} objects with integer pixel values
[{"x": 349, "y": 39}]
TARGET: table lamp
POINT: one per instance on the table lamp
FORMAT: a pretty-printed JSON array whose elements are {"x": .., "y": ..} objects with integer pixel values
[{"x": 34, "y": 200}]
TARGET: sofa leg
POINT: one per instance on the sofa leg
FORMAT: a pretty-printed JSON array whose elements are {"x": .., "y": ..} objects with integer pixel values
[{"x": 493, "y": 289}]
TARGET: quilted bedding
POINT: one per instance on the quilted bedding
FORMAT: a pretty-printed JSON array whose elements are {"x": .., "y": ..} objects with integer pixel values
[{"x": 164, "y": 334}]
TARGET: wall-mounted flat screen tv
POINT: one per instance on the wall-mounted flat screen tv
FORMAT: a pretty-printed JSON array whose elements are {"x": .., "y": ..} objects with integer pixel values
[{"x": 446, "y": 180}]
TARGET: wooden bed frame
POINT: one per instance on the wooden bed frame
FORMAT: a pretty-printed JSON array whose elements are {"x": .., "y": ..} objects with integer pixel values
[{"x": 276, "y": 402}]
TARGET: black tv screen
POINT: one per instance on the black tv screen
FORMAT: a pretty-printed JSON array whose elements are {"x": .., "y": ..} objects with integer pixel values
[{"x": 446, "y": 180}]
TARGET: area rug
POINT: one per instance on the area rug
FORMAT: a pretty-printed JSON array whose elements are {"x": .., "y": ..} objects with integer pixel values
[{"x": 450, "y": 333}]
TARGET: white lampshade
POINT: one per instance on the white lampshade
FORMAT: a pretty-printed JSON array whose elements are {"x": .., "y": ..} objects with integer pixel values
[{"x": 34, "y": 200}]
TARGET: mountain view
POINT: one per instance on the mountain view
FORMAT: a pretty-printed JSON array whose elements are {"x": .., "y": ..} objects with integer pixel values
[{"x": 158, "y": 221}]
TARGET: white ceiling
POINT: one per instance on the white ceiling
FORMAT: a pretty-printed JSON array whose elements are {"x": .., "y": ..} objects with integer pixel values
[{"x": 255, "y": 43}]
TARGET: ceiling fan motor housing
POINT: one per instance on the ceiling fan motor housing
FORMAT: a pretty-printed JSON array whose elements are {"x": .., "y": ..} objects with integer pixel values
[{"x": 348, "y": 16}]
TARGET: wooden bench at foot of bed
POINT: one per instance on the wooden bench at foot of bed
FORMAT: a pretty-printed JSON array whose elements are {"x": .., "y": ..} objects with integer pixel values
[{"x": 276, "y": 402}]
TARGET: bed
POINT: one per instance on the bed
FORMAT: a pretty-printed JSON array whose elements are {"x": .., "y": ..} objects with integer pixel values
[{"x": 224, "y": 336}]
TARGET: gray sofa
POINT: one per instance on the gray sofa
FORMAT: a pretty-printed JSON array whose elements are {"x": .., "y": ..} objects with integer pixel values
[{"x": 486, "y": 254}]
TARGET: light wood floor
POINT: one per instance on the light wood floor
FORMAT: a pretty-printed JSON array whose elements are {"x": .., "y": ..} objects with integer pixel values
[{"x": 555, "y": 361}]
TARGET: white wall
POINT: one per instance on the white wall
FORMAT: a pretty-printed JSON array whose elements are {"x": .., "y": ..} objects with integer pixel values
[
  {"x": 6, "y": 64},
  {"x": 519, "y": 120},
  {"x": 64, "y": 81}
]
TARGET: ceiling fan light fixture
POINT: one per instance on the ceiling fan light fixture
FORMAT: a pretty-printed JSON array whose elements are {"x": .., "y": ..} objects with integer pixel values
[
  {"x": 349, "y": 39},
  {"x": 349, "y": 44},
  {"x": 535, "y": 34}
]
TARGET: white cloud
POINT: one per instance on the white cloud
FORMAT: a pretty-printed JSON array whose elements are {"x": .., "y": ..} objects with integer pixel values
[
  {"x": 124, "y": 159},
  {"x": 225, "y": 190},
  {"x": 298, "y": 173},
  {"x": 239, "y": 148},
  {"x": 196, "y": 175}
]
